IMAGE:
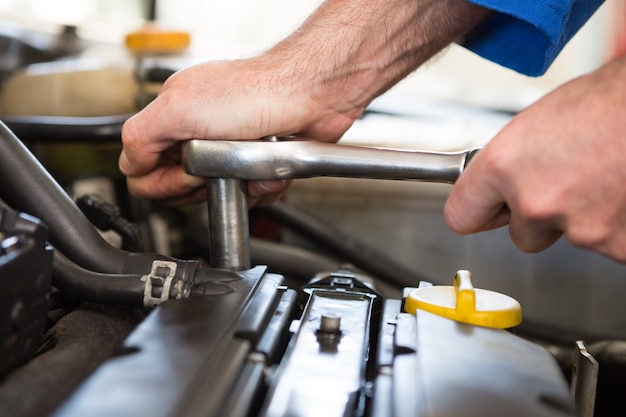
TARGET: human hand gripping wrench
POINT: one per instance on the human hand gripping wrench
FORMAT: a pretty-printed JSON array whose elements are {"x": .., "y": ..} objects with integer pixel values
[{"x": 225, "y": 163}]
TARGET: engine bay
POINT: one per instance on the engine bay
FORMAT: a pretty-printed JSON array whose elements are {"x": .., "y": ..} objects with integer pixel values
[{"x": 117, "y": 306}]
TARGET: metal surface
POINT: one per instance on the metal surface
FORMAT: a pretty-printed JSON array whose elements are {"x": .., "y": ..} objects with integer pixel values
[
  {"x": 292, "y": 159},
  {"x": 25, "y": 271},
  {"x": 584, "y": 380},
  {"x": 189, "y": 355},
  {"x": 229, "y": 244},
  {"x": 228, "y": 355},
  {"x": 323, "y": 372}
]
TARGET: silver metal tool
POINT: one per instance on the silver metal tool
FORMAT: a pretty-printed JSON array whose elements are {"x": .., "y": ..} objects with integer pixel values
[
  {"x": 229, "y": 240},
  {"x": 225, "y": 162},
  {"x": 292, "y": 159}
]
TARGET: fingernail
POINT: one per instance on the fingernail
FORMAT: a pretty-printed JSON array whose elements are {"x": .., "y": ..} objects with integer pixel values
[
  {"x": 269, "y": 187},
  {"x": 193, "y": 181},
  {"x": 123, "y": 163}
]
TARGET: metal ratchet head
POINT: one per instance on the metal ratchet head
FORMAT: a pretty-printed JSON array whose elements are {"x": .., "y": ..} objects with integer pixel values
[{"x": 289, "y": 158}]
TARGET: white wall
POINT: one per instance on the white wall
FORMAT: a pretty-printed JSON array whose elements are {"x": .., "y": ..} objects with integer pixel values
[{"x": 241, "y": 27}]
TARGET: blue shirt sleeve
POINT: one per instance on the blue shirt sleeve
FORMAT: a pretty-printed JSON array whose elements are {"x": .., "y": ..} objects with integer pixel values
[{"x": 526, "y": 36}]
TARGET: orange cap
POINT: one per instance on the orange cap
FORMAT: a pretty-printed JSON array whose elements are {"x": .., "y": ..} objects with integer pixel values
[{"x": 152, "y": 39}]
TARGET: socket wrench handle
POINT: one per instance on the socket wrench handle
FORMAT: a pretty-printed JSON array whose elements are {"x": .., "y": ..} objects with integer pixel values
[
  {"x": 295, "y": 158},
  {"x": 224, "y": 163}
]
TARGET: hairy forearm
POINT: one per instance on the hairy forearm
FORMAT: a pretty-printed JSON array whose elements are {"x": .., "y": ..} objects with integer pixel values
[
  {"x": 350, "y": 51},
  {"x": 313, "y": 84}
]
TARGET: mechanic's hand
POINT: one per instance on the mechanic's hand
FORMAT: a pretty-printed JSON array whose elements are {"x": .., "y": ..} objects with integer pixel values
[
  {"x": 313, "y": 84},
  {"x": 557, "y": 168},
  {"x": 245, "y": 99}
]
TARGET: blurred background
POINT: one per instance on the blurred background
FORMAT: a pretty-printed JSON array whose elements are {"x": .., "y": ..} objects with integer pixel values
[
  {"x": 224, "y": 30},
  {"x": 457, "y": 100}
]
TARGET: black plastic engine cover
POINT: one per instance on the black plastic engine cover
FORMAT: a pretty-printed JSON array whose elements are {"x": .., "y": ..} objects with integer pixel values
[{"x": 25, "y": 273}]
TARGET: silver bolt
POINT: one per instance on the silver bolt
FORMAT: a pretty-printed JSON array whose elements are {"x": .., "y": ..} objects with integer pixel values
[{"x": 330, "y": 323}]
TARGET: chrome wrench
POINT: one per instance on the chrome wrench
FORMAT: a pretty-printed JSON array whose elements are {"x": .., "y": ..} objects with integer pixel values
[{"x": 225, "y": 162}]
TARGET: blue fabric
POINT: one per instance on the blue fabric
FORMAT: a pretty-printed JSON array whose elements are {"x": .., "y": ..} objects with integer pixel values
[{"x": 527, "y": 35}]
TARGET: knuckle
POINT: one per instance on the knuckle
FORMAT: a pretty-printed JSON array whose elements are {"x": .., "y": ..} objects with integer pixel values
[
  {"x": 591, "y": 237},
  {"x": 131, "y": 142},
  {"x": 498, "y": 159},
  {"x": 535, "y": 210},
  {"x": 130, "y": 133}
]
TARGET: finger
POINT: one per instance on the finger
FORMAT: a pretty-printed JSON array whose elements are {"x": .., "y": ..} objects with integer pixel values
[
  {"x": 268, "y": 200},
  {"x": 197, "y": 195},
  {"x": 615, "y": 249},
  {"x": 165, "y": 182},
  {"x": 474, "y": 208},
  {"x": 265, "y": 193},
  {"x": 267, "y": 187},
  {"x": 532, "y": 237},
  {"x": 145, "y": 136}
]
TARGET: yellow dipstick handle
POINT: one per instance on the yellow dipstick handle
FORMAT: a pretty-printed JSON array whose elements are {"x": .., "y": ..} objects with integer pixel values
[{"x": 466, "y": 304}]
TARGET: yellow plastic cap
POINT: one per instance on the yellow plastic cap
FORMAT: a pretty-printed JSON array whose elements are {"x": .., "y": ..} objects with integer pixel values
[
  {"x": 152, "y": 39},
  {"x": 466, "y": 304}
]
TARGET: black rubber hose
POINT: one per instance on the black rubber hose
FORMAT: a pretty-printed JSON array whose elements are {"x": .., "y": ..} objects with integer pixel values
[
  {"x": 302, "y": 264},
  {"x": 83, "y": 340},
  {"x": 290, "y": 261},
  {"x": 106, "y": 216},
  {"x": 97, "y": 287},
  {"x": 26, "y": 186},
  {"x": 356, "y": 252}
]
